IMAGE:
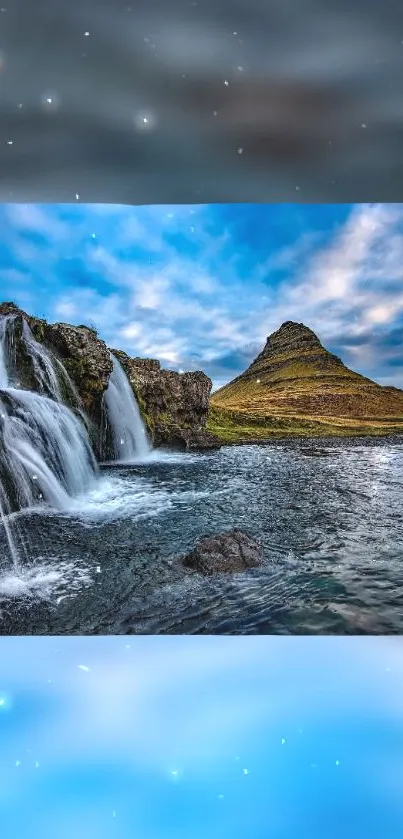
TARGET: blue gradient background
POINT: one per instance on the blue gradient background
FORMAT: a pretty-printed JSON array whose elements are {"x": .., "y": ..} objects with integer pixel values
[{"x": 185, "y": 738}]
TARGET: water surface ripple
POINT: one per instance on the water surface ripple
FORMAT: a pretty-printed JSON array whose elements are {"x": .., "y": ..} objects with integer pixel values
[{"x": 329, "y": 515}]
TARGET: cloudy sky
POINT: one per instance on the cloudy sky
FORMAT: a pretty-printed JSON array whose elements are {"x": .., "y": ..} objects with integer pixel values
[
  {"x": 171, "y": 738},
  {"x": 201, "y": 287}
]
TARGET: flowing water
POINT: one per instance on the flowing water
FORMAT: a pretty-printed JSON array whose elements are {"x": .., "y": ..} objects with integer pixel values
[
  {"x": 90, "y": 550},
  {"x": 45, "y": 453},
  {"x": 123, "y": 416},
  {"x": 328, "y": 514},
  {"x": 46, "y": 460}
]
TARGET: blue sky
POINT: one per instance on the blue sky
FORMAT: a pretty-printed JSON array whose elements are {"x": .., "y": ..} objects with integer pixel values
[
  {"x": 176, "y": 737},
  {"x": 201, "y": 287}
]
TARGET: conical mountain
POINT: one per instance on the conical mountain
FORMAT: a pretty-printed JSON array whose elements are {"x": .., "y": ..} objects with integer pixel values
[{"x": 295, "y": 377}]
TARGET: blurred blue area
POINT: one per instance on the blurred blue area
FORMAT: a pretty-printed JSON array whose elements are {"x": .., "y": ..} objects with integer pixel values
[{"x": 165, "y": 738}]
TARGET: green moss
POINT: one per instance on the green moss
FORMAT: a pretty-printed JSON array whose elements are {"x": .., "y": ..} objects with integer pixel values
[
  {"x": 74, "y": 367},
  {"x": 38, "y": 329},
  {"x": 145, "y": 416},
  {"x": 164, "y": 419}
]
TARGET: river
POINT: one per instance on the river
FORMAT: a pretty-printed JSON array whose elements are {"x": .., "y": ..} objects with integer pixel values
[{"x": 328, "y": 514}]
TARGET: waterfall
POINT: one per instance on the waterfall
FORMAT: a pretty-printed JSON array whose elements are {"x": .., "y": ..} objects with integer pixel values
[
  {"x": 128, "y": 431},
  {"x": 45, "y": 453}
]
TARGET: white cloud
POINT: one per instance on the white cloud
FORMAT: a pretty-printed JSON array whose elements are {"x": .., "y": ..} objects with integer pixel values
[
  {"x": 325, "y": 284},
  {"x": 12, "y": 275},
  {"x": 346, "y": 276},
  {"x": 132, "y": 330},
  {"x": 149, "y": 293},
  {"x": 33, "y": 218},
  {"x": 176, "y": 305},
  {"x": 65, "y": 309}
]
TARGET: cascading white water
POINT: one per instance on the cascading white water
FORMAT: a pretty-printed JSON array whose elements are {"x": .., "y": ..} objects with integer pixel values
[
  {"x": 42, "y": 365},
  {"x": 45, "y": 450},
  {"x": 129, "y": 434},
  {"x": 12, "y": 546}
]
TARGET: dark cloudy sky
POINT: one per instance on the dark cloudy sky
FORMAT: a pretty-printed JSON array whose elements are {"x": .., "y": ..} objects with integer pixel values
[
  {"x": 245, "y": 100},
  {"x": 201, "y": 287}
]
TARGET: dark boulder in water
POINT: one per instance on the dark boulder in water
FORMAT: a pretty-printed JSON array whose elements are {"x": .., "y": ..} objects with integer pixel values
[
  {"x": 229, "y": 552},
  {"x": 313, "y": 452}
]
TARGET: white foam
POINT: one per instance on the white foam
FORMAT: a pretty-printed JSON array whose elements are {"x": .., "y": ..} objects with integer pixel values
[
  {"x": 120, "y": 498},
  {"x": 44, "y": 580}
]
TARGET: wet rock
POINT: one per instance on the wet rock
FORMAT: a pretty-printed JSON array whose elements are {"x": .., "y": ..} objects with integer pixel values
[
  {"x": 228, "y": 552},
  {"x": 84, "y": 356},
  {"x": 88, "y": 363},
  {"x": 307, "y": 452},
  {"x": 174, "y": 406},
  {"x": 185, "y": 439}
]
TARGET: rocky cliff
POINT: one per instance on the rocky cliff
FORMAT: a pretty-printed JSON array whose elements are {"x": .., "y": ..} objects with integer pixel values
[
  {"x": 296, "y": 386},
  {"x": 84, "y": 356},
  {"x": 174, "y": 406}
]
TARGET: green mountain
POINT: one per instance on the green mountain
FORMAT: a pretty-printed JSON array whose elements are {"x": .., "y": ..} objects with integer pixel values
[{"x": 295, "y": 386}]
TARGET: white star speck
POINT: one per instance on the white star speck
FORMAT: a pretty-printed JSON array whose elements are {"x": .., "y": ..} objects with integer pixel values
[{"x": 145, "y": 121}]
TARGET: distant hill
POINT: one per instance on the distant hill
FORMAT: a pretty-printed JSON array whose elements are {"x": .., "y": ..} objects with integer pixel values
[{"x": 295, "y": 386}]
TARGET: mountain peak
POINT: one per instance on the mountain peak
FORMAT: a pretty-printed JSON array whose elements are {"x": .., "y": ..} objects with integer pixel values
[
  {"x": 292, "y": 338},
  {"x": 292, "y": 326},
  {"x": 296, "y": 384},
  {"x": 288, "y": 323}
]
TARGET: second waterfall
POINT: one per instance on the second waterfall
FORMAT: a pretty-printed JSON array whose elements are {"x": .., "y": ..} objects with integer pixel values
[{"x": 122, "y": 416}]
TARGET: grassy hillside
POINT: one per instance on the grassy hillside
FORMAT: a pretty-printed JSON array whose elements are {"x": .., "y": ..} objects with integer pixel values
[{"x": 295, "y": 386}]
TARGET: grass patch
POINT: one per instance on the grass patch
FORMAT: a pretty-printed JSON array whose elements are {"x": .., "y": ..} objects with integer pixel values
[{"x": 240, "y": 427}]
